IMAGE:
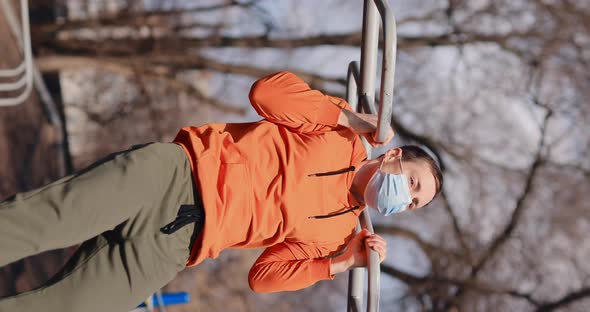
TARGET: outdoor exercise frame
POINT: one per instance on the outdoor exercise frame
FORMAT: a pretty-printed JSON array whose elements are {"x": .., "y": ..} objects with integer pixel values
[
  {"x": 373, "y": 9},
  {"x": 24, "y": 69}
]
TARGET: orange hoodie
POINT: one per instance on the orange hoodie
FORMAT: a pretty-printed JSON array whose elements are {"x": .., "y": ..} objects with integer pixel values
[{"x": 278, "y": 183}]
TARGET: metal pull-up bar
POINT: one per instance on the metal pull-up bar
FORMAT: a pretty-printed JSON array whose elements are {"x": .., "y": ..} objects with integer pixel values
[{"x": 368, "y": 75}]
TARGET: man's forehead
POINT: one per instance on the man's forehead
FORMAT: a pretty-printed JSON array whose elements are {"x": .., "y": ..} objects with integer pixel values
[{"x": 428, "y": 184}]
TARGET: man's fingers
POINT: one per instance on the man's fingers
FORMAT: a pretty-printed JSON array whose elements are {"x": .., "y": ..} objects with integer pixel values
[
  {"x": 364, "y": 233},
  {"x": 381, "y": 250},
  {"x": 375, "y": 237},
  {"x": 371, "y": 138},
  {"x": 374, "y": 143},
  {"x": 378, "y": 244},
  {"x": 378, "y": 238}
]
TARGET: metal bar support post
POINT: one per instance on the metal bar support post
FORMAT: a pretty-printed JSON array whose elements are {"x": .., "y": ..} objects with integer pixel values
[
  {"x": 356, "y": 276},
  {"x": 366, "y": 99},
  {"x": 369, "y": 54}
]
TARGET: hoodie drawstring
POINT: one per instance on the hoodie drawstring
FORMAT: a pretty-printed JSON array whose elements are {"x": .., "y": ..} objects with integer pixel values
[
  {"x": 334, "y": 214},
  {"x": 329, "y": 173}
]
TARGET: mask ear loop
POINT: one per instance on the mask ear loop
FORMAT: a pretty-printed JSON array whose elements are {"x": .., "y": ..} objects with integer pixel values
[{"x": 401, "y": 166}]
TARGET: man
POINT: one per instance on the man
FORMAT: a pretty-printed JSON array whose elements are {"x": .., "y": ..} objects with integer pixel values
[{"x": 293, "y": 182}]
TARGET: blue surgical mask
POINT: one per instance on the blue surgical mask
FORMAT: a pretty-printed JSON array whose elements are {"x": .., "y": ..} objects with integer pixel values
[{"x": 389, "y": 193}]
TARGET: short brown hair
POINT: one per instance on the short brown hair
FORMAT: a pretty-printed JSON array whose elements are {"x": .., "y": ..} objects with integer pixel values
[{"x": 413, "y": 152}]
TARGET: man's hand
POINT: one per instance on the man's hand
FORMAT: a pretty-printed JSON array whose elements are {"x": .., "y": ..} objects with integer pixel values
[
  {"x": 356, "y": 252},
  {"x": 363, "y": 124}
]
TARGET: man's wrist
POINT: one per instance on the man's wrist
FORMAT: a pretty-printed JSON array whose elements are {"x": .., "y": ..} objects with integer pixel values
[
  {"x": 358, "y": 123},
  {"x": 340, "y": 264},
  {"x": 344, "y": 118}
]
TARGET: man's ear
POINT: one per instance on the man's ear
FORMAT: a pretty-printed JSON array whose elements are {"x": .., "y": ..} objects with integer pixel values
[{"x": 393, "y": 153}]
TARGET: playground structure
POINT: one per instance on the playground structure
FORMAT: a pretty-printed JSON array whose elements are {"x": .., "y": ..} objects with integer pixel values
[
  {"x": 18, "y": 79},
  {"x": 372, "y": 10}
]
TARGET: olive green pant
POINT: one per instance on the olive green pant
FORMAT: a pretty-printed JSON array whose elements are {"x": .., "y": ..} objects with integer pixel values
[{"x": 116, "y": 207}]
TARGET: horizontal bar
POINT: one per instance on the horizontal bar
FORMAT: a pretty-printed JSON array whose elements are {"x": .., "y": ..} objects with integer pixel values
[
  {"x": 352, "y": 80},
  {"x": 374, "y": 267},
  {"x": 387, "y": 70},
  {"x": 355, "y": 276},
  {"x": 369, "y": 52},
  {"x": 12, "y": 72},
  {"x": 355, "y": 289},
  {"x": 14, "y": 85},
  {"x": 28, "y": 57}
]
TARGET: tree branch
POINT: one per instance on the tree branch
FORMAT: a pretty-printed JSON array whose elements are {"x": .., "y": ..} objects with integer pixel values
[
  {"x": 128, "y": 17},
  {"x": 505, "y": 234},
  {"x": 172, "y": 44},
  {"x": 429, "y": 249},
  {"x": 580, "y": 294},
  {"x": 456, "y": 228},
  {"x": 162, "y": 64},
  {"x": 131, "y": 70},
  {"x": 428, "y": 281},
  {"x": 184, "y": 62}
]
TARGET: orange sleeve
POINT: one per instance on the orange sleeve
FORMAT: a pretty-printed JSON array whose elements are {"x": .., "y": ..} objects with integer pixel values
[
  {"x": 289, "y": 266},
  {"x": 285, "y": 99}
]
